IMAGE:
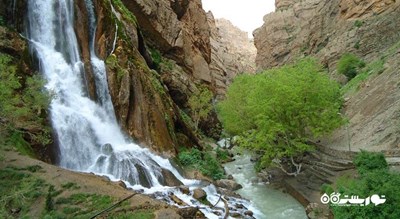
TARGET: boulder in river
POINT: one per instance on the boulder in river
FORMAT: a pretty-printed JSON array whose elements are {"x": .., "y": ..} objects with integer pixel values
[
  {"x": 184, "y": 190},
  {"x": 199, "y": 194},
  {"x": 169, "y": 179},
  {"x": 228, "y": 184}
]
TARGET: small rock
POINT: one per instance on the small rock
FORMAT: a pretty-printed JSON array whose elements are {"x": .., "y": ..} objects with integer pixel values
[
  {"x": 167, "y": 214},
  {"x": 199, "y": 194},
  {"x": 218, "y": 213},
  {"x": 104, "y": 178},
  {"x": 140, "y": 191},
  {"x": 15, "y": 210},
  {"x": 235, "y": 214},
  {"x": 189, "y": 212},
  {"x": 177, "y": 200},
  {"x": 122, "y": 184},
  {"x": 230, "y": 177},
  {"x": 184, "y": 190},
  {"x": 239, "y": 206},
  {"x": 248, "y": 213}
]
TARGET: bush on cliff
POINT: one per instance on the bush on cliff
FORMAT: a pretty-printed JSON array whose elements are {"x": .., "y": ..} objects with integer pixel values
[
  {"x": 276, "y": 112},
  {"x": 349, "y": 65}
]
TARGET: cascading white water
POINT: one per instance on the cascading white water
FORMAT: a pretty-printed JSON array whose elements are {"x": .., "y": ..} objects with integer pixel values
[{"x": 88, "y": 135}]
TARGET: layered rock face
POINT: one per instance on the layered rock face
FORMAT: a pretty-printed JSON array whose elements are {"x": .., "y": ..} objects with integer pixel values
[
  {"x": 142, "y": 103},
  {"x": 328, "y": 29},
  {"x": 232, "y": 53}
]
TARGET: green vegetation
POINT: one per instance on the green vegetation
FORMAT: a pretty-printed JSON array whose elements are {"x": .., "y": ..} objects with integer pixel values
[
  {"x": 203, "y": 161},
  {"x": 2, "y": 23},
  {"x": 368, "y": 161},
  {"x": 374, "y": 178},
  {"x": 375, "y": 67},
  {"x": 156, "y": 57},
  {"x": 18, "y": 191},
  {"x": 22, "y": 108},
  {"x": 124, "y": 11},
  {"x": 70, "y": 185},
  {"x": 23, "y": 195},
  {"x": 112, "y": 62},
  {"x": 349, "y": 65},
  {"x": 159, "y": 62},
  {"x": 357, "y": 45},
  {"x": 358, "y": 23},
  {"x": 276, "y": 112},
  {"x": 222, "y": 155},
  {"x": 200, "y": 105}
]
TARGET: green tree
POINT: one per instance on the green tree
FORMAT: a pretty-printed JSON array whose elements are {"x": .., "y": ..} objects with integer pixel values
[
  {"x": 276, "y": 112},
  {"x": 349, "y": 65},
  {"x": 200, "y": 105}
]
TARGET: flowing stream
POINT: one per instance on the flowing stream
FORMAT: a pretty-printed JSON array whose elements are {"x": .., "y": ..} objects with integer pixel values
[{"x": 271, "y": 203}]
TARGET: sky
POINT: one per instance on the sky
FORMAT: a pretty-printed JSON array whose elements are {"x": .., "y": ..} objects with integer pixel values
[{"x": 245, "y": 14}]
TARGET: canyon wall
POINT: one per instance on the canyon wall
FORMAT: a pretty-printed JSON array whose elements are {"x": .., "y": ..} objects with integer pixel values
[{"x": 328, "y": 29}]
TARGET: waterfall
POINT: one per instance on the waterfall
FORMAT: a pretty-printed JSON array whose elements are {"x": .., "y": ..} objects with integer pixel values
[
  {"x": 88, "y": 134},
  {"x": 89, "y": 137}
]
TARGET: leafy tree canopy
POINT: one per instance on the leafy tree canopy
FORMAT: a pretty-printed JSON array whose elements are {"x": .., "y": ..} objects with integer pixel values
[{"x": 278, "y": 111}]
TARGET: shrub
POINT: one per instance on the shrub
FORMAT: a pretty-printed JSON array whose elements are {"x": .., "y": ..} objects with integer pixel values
[
  {"x": 191, "y": 157},
  {"x": 222, "y": 155},
  {"x": 370, "y": 161},
  {"x": 349, "y": 65},
  {"x": 203, "y": 161},
  {"x": 358, "y": 23}
]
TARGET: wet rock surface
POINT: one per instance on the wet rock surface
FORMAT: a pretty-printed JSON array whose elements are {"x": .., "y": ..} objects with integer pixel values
[{"x": 228, "y": 184}]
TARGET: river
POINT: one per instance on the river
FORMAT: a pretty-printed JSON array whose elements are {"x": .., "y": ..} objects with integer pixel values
[{"x": 271, "y": 203}]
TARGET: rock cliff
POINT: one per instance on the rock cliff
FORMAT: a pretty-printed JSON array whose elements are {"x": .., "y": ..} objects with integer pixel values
[
  {"x": 328, "y": 29},
  {"x": 232, "y": 53}
]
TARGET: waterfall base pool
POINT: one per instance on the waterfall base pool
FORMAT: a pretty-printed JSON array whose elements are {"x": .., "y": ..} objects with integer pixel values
[{"x": 272, "y": 203}]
